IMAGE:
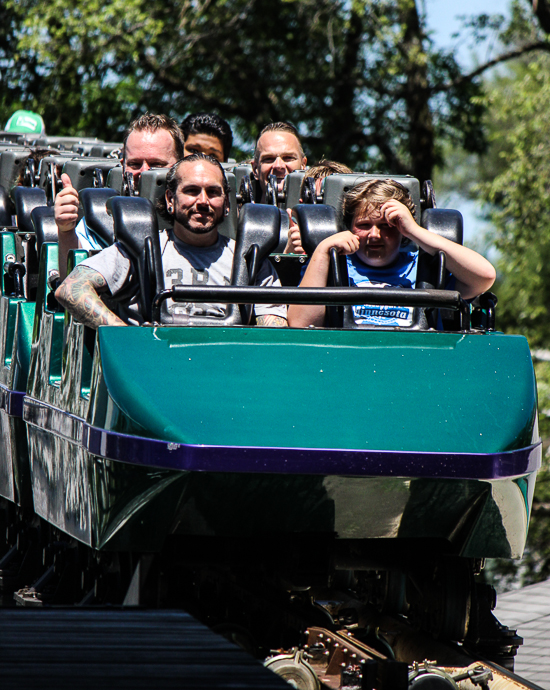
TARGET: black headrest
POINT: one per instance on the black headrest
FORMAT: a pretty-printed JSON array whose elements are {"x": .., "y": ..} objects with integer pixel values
[
  {"x": 445, "y": 222},
  {"x": 43, "y": 222},
  {"x": 259, "y": 224},
  {"x": 94, "y": 205},
  {"x": 11, "y": 164},
  {"x": 316, "y": 222},
  {"x": 449, "y": 224},
  {"x": 82, "y": 170},
  {"x": 135, "y": 227},
  {"x": 26, "y": 199}
]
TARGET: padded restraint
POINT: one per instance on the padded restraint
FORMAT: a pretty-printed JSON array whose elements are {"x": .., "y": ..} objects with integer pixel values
[
  {"x": 316, "y": 223},
  {"x": 105, "y": 149},
  {"x": 283, "y": 233},
  {"x": 445, "y": 222},
  {"x": 58, "y": 159},
  {"x": 257, "y": 238},
  {"x": 152, "y": 186},
  {"x": 26, "y": 199},
  {"x": 5, "y": 208},
  {"x": 449, "y": 224},
  {"x": 45, "y": 228},
  {"x": 293, "y": 183},
  {"x": 94, "y": 204},
  {"x": 81, "y": 170},
  {"x": 115, "y": 179},
  {"x": 11, "y": 164},
  {"x": 135, "y": 227}
]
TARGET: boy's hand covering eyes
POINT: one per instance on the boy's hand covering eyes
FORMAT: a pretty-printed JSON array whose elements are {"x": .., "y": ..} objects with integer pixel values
[
  {"x": 398, "y": 216},
  {"x": 344, "y": 242}
]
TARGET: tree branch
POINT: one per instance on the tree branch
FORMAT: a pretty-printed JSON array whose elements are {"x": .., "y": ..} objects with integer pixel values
[
  {"x": 510, "y": 55},
  {"x": 541, "y": 8}
]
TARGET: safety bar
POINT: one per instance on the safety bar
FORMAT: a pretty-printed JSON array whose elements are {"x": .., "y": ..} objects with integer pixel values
[{"x": 427, "y": 299}]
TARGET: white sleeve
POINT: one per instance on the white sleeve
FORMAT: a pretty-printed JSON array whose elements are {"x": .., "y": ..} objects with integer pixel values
[{"x": 267, "y": 277}]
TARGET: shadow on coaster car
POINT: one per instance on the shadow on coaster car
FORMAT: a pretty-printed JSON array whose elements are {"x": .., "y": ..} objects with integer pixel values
[{"x": 386, "y": 463}]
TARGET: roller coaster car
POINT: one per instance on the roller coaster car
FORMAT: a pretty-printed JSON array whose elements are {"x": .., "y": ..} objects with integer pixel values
[{"x": 294, "y": 470}]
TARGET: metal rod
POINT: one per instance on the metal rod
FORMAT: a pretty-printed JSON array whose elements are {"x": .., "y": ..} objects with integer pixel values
[{"x": 438, "y": 299}]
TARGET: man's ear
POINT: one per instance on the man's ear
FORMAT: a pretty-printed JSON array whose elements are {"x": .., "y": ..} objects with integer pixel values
[
  {"x": 255, "y": 170},
  {"x": 304, "y": 163},
  {"x": 169, "y": 197}
]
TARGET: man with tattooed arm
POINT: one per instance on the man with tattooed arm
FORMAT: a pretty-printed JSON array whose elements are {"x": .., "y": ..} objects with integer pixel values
[{"x": 98, "y": 291}]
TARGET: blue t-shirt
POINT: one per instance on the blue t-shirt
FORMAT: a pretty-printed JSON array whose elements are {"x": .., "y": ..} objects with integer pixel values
[{"x": 401, "y": 273}]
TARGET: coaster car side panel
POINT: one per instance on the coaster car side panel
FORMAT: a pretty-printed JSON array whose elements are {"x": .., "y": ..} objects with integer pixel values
[{"x": 295, "y": 462}]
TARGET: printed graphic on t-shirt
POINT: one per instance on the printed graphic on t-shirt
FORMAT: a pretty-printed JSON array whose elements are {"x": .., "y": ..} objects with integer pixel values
[
  {"x": 176, "y": 276},
  {"x": 402, "y": 273}
]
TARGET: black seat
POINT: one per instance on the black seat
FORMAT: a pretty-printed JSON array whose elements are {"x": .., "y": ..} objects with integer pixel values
[
  {"x": 316, "y": 223},
  {"x": 431, "y": 270},
  {"x": 43, "y": 221},
  {"x": 26, "y": 199},
  {"x": 135, "y": 227},
  {"x": 98, "y": 220}
]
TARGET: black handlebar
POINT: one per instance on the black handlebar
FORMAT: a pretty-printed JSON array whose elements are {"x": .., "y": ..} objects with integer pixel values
[{"x": 438, "y": 299}]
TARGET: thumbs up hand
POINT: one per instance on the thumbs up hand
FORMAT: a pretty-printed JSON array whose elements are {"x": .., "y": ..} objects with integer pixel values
[{"x": 66, "y": 206}]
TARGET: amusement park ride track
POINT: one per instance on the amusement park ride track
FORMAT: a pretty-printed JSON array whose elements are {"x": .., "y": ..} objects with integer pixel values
[{"x": 131, "y": 647}]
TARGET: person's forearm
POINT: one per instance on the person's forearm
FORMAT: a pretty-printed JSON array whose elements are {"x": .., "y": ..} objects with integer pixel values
[
  {"x": 474, "y": 274},
  {"x": 79, "y": 296},
  {"x": 316, "y": 275},
  {"x": 66, "y": 241},
  {"x": 271, "y": 320}
]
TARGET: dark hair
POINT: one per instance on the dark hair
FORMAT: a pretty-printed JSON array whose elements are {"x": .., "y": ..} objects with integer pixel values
[
  {"x": 172, "y": 181},
  {"x": 373, "y": 193},
  {"x": 37, "y": 153},
  {"x": 209, "y": 123},
  {"x": 278, "y": 127},
  {"x": 151, "y": 123},
  {"x": 324, "y": 168}
]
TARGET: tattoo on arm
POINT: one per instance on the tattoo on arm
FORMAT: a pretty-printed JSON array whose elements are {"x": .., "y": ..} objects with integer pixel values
[
  {"x": 271, "y": 320},
  {"x": 80, "y": 295}
]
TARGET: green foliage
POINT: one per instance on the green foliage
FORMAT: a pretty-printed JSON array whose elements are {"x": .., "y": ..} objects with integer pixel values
[
  {"x": 518, "y": 194},
  {"x": 514, "y": 187},
  {"x": 361, "y": 79}
]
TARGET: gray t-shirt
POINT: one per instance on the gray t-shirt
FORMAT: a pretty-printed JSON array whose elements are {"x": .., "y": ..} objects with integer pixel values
[{"x": 183, "y": 264}]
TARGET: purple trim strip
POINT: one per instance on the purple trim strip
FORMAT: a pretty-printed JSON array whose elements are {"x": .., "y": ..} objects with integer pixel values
[
  {"x": 11, "y": 401},
  {"x": 250, "y": 459}
]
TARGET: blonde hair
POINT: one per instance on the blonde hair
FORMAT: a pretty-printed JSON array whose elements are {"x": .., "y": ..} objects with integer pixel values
[
  {"x": 323, "y": 169},
  {"x": 373, "y": 193}
]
